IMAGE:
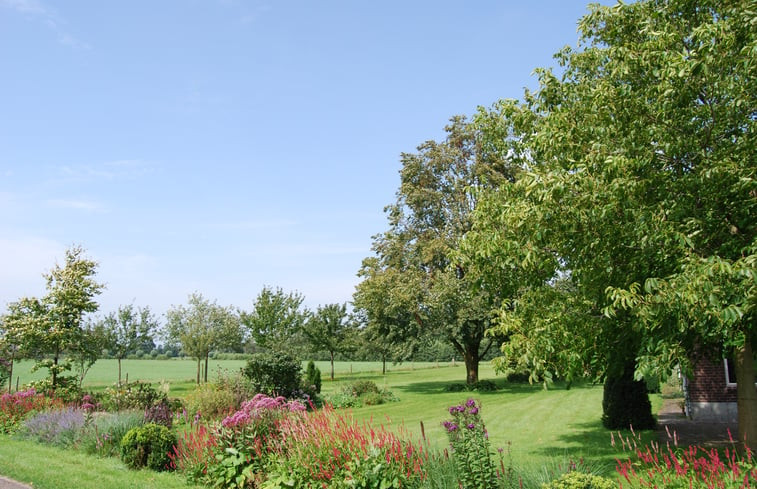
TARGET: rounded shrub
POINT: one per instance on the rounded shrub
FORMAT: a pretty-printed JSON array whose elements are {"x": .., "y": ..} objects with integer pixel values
[
  {"x": 579, "y": 480},
  {"x": 274, "y": 373},
  {"x": 148, "y": 446}
]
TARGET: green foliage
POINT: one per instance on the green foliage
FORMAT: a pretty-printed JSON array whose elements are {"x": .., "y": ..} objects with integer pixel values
[
  {"x": 211, "y": 401},
  {"x": 470, "y": 446},
  {"x": 480, "y": 386},
  {"x": 579, "y": 480},
  {"x": 328, "y": 330},
  {"x": 202, "y": 326},
  {"x": 274, "y": 373},
  {"x": 128, "y": 330},
  {"x": 231, "y": 470},
  {"x": 626, "y": 403},
  {"x": 360, "y": 393},
  {"x": 313, "y": 377},
  {"x": 102, "y": 437},
  {"x": 276, "y": 319},
  {"x": 134, "y": 395},
  {"x": 413, "y": 288},
  {"x": 66, "y": 388},
  {"x": 50, "y": 327},
  {"x": 148, "y": 446}
]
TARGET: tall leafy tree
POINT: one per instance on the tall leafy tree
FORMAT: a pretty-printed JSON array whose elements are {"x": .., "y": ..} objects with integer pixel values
[
  {"x": 127, "y": 330},
  {"x": 641, "y": 178},
  {"x": 50, "y": 327},
  {"x": 329, "y": 329},
  {"x": 201, "y": 327},
  {"x": 424, "y": 291},
  {"x": 276, "y": 319}
]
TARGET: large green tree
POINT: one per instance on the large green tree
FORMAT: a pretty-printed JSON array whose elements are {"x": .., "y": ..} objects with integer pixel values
[
  {"x": 128, "y": 329},
  {"x": 641, "y": 178},
  {"x": 411, "y": 286},
  {"x": 203, "y": 326},
  {"x": 276, "y": 320},
  {"x": 53, "y": 326}
]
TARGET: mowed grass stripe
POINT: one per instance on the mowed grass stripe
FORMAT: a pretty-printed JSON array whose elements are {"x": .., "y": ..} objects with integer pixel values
[{"x": 50, "y": 467}]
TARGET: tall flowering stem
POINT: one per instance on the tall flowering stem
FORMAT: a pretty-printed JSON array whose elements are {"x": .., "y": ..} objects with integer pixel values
[{"x": 471, "y": 451}]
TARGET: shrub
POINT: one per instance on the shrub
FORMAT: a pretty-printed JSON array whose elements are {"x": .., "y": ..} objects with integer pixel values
[
  {"x": 103, "y": 436},
  {"x": 15, "y": 407},
  {"x": 148, "y": 446},
  {"x": 133, "y": 395},
  {"x": 211, "y": 402},
  {"x": 579, "y": 480},
  {"x": 626, "y": 403},
  {"x": 371, "y": 399},
  {"x": 313, "y": 378},
  {"x": 470, "y": 446},
  {"x": 160, "y": 413},
  {"x": 480, "y": 386},
  {"x": 66, "y": 388},
  {"x": 274, "y": 373},
  {"x": 360, "y": 387},
  {"x": 57, "y": 427},
  {"x": 237, "y": 384}
]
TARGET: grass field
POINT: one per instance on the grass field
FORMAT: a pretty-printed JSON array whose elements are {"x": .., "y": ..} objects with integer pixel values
[{"x": 539, "y": 427}]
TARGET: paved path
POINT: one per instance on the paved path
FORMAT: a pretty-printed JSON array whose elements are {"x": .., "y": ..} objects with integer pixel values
[
  {"x": 671, "y": 421},
  {"x": 11, "y": 484}
]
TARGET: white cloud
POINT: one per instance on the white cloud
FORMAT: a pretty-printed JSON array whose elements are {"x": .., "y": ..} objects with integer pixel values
[
  {"x": 110, "y": 170},
  {"x": 49, "y": 17},
  {"x": 81, "y": 205}
]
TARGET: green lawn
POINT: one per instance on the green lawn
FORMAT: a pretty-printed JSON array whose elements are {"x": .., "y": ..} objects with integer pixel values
[
  {"x": 540, "y": 427},
  {"x": 47, "y": 467}
]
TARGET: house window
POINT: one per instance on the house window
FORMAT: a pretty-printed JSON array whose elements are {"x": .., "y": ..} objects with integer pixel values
[{"x": 730, "y": 371}]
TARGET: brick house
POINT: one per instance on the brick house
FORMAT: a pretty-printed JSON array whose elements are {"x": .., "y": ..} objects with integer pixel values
[{"x": 711, "y": 391}]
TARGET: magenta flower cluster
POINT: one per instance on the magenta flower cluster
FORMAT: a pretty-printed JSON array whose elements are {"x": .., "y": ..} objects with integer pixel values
[
  {"x": 18, "y": 397},
  {"x": 256, "y": 407}
]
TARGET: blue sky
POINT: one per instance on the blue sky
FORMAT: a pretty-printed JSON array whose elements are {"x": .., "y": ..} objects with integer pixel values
[{"x": 220, "y": 146}]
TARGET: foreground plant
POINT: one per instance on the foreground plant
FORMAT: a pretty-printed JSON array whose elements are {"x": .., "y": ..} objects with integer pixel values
[
  {"x": 470, "y": 446},
  {"x": 15, "y": 407},
  {"x": 691, "y": 467}
]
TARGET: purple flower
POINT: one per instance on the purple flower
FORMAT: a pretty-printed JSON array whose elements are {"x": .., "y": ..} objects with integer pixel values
[
  {"x": 470, "y": 403},
  {"x": 452, "y": 427},
  {"x": 471, "y": 426},
  {"x": 473, "y": 410},
  {"x": 453, "y": 409}
]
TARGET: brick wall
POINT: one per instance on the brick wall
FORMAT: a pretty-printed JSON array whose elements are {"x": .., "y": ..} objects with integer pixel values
[{"x": 708, "y": 382}]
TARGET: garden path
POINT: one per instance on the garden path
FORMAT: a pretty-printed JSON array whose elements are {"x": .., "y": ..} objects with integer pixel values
[
  {"x": 11, "y": 484},
  {"x": 671, "y": 420}
]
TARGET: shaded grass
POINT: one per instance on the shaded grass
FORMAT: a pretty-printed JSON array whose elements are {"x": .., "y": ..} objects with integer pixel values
[{"x": 47, "y": 467}]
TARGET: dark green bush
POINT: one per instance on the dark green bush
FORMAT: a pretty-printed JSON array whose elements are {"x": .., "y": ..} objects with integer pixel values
[
  {"x": 313, "y": 378},
  {"x": 274, "y": 374},
  {"x": 625, "y": 403},
  {"x": 148, "y": 446},
  {"x": 480, "y": 386},
  {"x": 579, "y": 480}
]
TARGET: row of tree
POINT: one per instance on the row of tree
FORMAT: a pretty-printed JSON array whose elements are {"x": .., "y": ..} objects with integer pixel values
[
  {"x": 602, "y": 226},
  {"x": 60, "y": 331}
]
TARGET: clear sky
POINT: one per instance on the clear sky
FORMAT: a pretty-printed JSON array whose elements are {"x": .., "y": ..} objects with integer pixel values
[{"x": 219, "y": 146}]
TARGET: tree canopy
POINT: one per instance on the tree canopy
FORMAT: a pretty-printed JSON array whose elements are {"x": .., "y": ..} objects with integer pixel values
[{"x": 639, "y": 177}]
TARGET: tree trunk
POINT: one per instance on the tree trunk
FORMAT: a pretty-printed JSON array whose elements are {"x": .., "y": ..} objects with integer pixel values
[
  {"x": 55, "y": 370},
  {"x": 746, "y": 394},
  {"x": 119, "y": 371},
  {"x": 471, "y": 366},
  {"x": 199, "y": 362},
  {"x": 332, "y": 365},
  {"x": 10, "y": 372},
  {"x": 383, "y": 364},
  {"x": 207, "y": 356}
]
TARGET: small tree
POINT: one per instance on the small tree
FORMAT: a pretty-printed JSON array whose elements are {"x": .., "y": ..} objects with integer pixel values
[
  {"x": 50, "y": 327},
  {"x": 127, "y": 329},
  {"x": 274, "y": 373},
  {"x": 276, "y": 319},
  {"x": 202, "y": 327},
  {"x": 329, "y": 330}
]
